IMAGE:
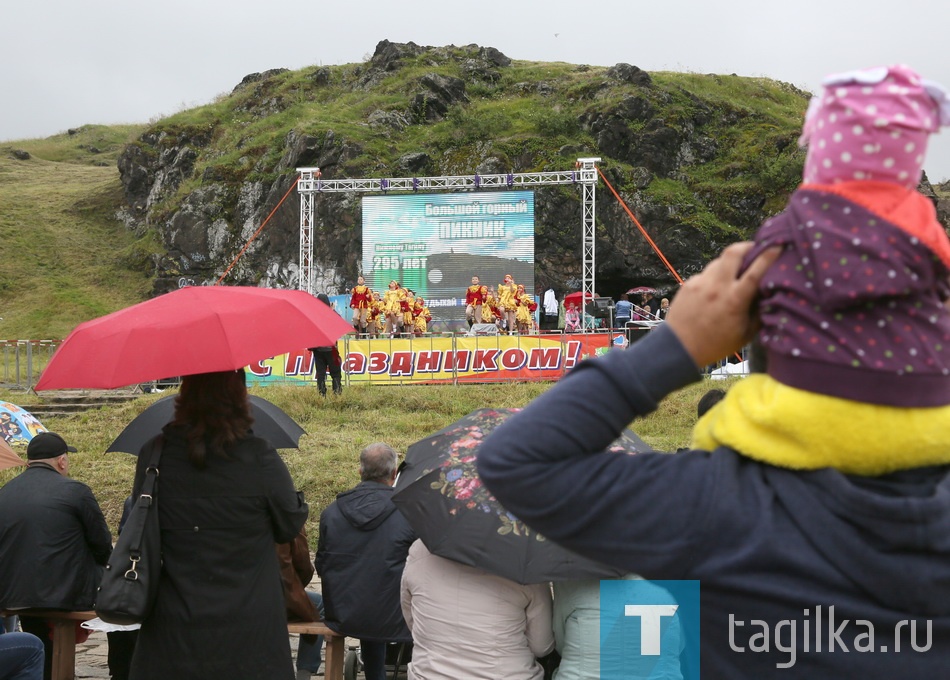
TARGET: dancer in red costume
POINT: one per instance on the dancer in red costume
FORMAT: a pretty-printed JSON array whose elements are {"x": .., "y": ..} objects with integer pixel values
[
  {"x": 474, "y": 299},
  {"x": 360, "y": 303}
]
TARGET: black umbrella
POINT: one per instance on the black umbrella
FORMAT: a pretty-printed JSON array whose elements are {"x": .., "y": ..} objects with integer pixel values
[
  {"x": 441, "y": 496},
  {"x": 270, "y": 423}
]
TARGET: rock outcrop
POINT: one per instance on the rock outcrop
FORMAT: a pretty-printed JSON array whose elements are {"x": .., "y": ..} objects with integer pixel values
[{"x": 207, "y": 188}]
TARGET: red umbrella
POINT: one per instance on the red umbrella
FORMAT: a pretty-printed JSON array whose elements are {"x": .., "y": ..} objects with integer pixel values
[
  {"x": 199, "y": 329},
  {"x": 576, "y": 298}
]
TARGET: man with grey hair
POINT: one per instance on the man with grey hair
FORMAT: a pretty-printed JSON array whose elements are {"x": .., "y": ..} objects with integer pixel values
[
  {"x": 378, "y": 463},
  {"x": 364, "y": 541}
]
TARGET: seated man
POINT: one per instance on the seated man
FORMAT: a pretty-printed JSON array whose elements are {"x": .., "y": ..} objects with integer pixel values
[
  {"x": 364, "y": 541},
  {"x": 53, "y": 538}
]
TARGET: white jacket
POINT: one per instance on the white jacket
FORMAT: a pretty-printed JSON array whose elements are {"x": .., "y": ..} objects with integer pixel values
[{"x": 467, "y": 623}]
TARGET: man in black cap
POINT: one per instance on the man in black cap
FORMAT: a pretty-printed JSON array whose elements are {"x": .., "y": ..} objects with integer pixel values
[{"x": 53, "y": 538}]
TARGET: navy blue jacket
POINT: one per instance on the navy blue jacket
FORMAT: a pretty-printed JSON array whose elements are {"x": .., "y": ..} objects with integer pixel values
[
  {"x": 766, "y": 543},
  {"x": 361, "y": 553}
]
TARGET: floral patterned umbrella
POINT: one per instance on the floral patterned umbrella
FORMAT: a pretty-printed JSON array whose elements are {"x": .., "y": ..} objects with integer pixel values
[{"x": 440, "y": 494}]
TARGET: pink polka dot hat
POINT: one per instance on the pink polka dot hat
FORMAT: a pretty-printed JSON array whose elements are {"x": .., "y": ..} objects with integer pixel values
[
  {"x": 854, "y": 306},
  {"x": 872, "y": 125}
]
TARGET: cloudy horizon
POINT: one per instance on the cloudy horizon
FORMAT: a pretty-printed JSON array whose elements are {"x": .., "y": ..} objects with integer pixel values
[{"x": 127, "y": 62}]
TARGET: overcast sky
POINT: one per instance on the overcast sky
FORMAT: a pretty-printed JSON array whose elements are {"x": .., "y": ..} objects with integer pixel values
[{"x": 68, "y": 63}]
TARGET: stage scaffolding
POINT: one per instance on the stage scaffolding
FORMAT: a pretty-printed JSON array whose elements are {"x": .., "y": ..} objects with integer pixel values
[{"x": 311, "y": 183}]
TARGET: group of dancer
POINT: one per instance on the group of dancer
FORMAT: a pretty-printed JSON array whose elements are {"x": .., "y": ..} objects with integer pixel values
[
  {"x": 511, "y": 309},
  {"x": 398, "y": 312}
]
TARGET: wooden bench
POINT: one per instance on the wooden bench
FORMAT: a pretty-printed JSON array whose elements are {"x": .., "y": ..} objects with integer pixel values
[
  {"x": 64, "y": 640},
  {"x": 64, "y": 637},
  {"x": 336, "y": 650}
]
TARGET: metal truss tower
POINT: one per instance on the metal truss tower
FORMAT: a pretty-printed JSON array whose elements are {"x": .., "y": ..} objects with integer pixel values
[{"x": 584, "y": 173}]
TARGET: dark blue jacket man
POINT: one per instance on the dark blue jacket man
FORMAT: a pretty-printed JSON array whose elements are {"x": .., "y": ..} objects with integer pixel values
[{"x": 364, "y": 541}]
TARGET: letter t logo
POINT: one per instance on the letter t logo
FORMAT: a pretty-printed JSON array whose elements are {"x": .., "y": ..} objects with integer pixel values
[{"x": 650, "y": 615}]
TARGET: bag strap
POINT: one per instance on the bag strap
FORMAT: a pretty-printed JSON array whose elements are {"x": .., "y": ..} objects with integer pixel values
[
  {"x": 151, "y": 472},
  {"x": 144, "y": 504}
]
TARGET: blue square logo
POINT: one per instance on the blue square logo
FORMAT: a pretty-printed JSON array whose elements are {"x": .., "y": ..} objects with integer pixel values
[{"x": 649, "y": 630}]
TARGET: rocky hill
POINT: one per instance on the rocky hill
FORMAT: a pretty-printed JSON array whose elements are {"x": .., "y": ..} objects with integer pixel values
[{"x": 700, "y": 159}]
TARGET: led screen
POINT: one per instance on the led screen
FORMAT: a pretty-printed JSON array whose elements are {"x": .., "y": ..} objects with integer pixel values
[{"x": 434, "y": 244}]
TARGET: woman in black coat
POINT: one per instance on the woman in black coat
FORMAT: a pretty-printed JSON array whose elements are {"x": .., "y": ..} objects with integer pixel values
[{"x": 225, "y": 498}]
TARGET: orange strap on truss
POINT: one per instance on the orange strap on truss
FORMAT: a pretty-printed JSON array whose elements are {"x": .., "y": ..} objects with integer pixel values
[
  {"x": 646, "y": 235},
  {"x": 640, "y": 227},
  {"x": 256, "y": 233}
]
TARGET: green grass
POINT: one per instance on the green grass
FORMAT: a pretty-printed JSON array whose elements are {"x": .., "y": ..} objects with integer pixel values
[
  {"x": 338, "y": 428},
  {"x": 65, "y": 257},
  {"x": 98, "y": 145}
]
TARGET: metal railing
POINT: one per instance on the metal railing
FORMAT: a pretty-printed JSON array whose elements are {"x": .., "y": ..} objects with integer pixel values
[{"x": 22, "y": 361}]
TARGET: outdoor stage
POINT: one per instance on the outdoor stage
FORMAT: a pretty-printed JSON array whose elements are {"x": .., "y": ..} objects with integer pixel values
[{"x": 448, "y": 358}]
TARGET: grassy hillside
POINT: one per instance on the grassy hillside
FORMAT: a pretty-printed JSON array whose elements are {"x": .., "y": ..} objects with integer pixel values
[
  {"x": 98, "y": 145},
  {"x": 338, "y": 428},
  {"x": 65, "y": 257},
  {"x": 532, "y": 110}
]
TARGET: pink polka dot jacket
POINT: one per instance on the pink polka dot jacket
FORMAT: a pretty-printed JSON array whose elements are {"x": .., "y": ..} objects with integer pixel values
[{"x": 854, "y": 306}]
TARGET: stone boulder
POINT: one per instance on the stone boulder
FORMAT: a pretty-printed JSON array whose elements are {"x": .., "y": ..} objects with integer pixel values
[
  {"x": 392, "y": 121},
  {"x": 440, "y": 93},
  {"x": 325, "y": 151},
  {"x": 389, "y": 56},
  {"x": 628, "y": 73},
  {"x": 417, "y": 164},
  {"x": 155, "y": 165},
  {"x": 320, "y": 76},
  {"x": 252, "y": 78}
]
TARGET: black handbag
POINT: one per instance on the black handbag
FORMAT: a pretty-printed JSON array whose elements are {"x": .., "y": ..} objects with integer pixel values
[{"x": 130, "y": 581}]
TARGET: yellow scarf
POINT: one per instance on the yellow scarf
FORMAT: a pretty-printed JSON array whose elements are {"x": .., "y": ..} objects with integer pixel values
[{"x": 791, "y": 428}]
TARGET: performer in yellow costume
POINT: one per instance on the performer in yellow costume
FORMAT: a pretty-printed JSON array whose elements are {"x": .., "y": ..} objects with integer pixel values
[
  {"x": 490, "y": 311},
  {"x": 392, "y": 308},
  {"x": 523, "y": 315},
  {"x": 377, "y": 318},
  {"x": 407, "y": 306},
  {"x": 420, "y": 316},
  {"x": 507, "y": 302}
]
